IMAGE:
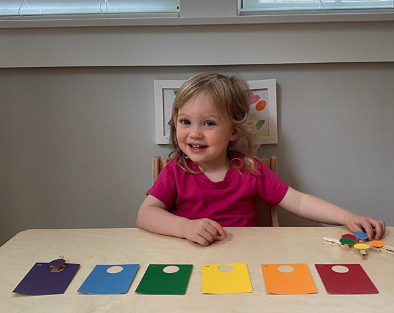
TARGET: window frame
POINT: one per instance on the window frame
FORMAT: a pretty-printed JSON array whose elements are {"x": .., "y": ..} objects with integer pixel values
[
  {"x": 87, "y": 9},
  {"x": 314, "y": 6}
]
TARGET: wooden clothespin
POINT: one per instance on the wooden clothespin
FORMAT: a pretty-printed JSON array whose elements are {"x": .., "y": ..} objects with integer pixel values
[
  {"x": 334, "y": 242},
  {"x": 362, "y": 248},
  {"x": 57, "y": 265},
  {"x": 381, "y": 246},
  {"x": 386, "y": 249}
]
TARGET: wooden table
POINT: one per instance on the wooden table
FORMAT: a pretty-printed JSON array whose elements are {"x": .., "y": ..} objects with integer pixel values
[{"x": 253, "y": 246}]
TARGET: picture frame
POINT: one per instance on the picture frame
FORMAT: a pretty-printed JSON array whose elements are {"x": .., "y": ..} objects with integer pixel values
[
  {"x": 263, "y": 110},
  {"x": 262, "y": 114},
  {"x": 165, "y": 92}
]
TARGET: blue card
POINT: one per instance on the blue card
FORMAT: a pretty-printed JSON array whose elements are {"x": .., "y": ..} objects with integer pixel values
[{"x": 109, "y": 279}]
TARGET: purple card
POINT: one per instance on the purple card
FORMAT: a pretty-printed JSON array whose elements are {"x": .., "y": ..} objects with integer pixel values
[{"x": 47, "y": 278}]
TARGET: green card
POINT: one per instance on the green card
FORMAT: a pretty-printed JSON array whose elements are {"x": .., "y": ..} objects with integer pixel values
[{"x": 165, "y": 279}]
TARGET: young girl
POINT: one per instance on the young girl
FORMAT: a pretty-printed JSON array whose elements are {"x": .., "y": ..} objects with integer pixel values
[{"x": 213, "y": 176}]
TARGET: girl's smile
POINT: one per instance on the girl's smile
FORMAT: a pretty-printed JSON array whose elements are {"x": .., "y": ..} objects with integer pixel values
[{"x": 196, "y": 147}]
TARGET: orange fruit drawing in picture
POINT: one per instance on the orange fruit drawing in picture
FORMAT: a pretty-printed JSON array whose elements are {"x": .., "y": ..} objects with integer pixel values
[{"x": 260, "y": 106}]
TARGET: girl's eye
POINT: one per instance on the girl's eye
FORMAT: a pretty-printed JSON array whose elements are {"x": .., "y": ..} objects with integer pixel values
[
  {"x": 184, "y": 121},
  {"x": 209, "y": 123}
]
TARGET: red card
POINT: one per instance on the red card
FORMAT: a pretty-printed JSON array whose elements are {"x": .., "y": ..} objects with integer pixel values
[{"x": 349, "y": 279}]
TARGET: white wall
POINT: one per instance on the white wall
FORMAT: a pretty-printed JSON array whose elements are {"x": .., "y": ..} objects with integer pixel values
[
  {"x": 77, "y": 112},
  {"x": 182, "y": 45},
  {"x": 76, "y": 143}
]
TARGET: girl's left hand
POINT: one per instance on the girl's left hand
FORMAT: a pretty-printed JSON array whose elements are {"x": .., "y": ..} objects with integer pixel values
[{"x": 373, "y": 228}]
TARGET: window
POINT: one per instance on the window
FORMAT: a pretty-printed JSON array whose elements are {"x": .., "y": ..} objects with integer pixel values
[
  {"x": 74, "y": 7},
  {"x": 255, "y": 7}
]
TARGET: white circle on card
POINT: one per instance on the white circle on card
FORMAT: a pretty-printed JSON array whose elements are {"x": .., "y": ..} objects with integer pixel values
[
  {"x": 340, "y": 269},
  {"x": 171, "y": 269},
  {"x": 285, "y": 268},
  {"x": 114, "y": 269},
  {"x": 225, "y": 268}
]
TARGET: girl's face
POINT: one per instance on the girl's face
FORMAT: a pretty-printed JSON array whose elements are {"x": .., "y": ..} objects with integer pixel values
[{"x": 202, "y": 134}]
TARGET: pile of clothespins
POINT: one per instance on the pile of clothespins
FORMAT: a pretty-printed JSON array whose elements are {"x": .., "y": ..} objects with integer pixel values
[{"x": 359, "y": 240}]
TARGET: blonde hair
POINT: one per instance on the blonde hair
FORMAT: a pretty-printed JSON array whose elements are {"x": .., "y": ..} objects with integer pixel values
[{"x": 230, "y": 97}]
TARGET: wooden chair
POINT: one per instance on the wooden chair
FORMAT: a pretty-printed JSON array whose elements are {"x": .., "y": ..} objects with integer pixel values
[{"x": 267, "y": 215}]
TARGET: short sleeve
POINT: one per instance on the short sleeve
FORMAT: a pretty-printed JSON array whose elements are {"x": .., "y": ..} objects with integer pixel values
[
  {"x": 269, "y": 187},
  {"x": 164, "y": 188}
]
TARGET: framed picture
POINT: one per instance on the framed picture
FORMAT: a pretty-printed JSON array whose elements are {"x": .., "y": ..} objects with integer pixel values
[
  {"x": 165, "y": 92},
  {"x": 262, "y": 112}
]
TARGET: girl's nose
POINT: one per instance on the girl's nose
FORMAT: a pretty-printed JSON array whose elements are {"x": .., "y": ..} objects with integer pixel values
[{"x": 196, "y": 132}]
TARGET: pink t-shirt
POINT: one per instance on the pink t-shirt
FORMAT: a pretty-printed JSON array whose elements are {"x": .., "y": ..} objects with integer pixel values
[{"x": 230, "y": 202}]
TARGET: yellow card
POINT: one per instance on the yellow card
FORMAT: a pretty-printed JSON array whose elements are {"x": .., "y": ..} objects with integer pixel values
[
  {"x": 288, "y": 279},
  {"x": 225, "y": 278}
]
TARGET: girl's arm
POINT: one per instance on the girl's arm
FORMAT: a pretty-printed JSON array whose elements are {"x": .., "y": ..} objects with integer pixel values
[
  {"x": 154, "y": 217},
  {"x": 319, "y": 210}
]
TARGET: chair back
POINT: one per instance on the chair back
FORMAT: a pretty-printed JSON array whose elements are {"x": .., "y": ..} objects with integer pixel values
[
  {"x": 157, "y": 165},
  {"x": 267, "y": 215}
]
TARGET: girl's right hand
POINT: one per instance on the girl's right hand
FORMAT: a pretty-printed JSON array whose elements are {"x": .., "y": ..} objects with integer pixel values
[
  {"x": 203, "y": 231},
  {"x": 375, "y": 229}
]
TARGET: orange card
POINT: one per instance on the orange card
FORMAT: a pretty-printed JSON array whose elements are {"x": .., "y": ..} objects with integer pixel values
[{"x": 288, "y": 279}]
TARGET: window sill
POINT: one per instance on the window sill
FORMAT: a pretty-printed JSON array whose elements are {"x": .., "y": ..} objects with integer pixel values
[{"x": 99, "y": 21}]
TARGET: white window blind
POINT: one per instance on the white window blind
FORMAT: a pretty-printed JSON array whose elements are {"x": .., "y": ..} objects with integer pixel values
[
  {"x": 255, "y": 7},
  {"x": 77, "y": 7}
]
